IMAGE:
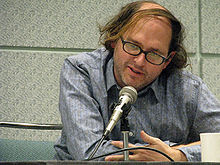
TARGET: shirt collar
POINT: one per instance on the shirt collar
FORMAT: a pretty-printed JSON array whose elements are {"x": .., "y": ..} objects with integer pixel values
[
  {"x": 155, "y": 87},
  {"x": 110, "y": 78}
]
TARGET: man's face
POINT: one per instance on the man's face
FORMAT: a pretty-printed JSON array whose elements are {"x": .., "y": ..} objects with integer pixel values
[{"x": 151, "y": 35}]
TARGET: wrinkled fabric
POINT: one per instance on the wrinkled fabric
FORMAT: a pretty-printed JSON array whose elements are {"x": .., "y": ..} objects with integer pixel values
[{"x": 175, "y": 108}]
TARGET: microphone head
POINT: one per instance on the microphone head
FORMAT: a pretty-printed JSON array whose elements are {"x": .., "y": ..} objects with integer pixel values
[{"x": 129, "y": 91}]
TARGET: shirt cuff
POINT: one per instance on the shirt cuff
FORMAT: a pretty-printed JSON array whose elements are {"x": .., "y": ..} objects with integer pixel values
[{"x": 193, "y": 153}]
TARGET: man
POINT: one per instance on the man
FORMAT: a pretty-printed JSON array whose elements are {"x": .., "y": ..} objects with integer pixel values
[{"x": 143, "y": 49}]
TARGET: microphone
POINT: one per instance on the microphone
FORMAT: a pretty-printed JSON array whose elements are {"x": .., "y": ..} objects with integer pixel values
[{"x": 127, "y": 96}]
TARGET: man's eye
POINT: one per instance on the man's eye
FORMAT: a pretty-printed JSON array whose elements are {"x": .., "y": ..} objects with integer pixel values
[
  {"x": 153, "y": 56},
  {"x": 132, "y": 46}
]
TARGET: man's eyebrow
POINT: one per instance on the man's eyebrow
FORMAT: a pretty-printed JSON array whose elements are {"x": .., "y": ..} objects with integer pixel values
[
  {"x": 134, "y": 41},
  {"x": 157, "y": 50},
  {"x": 140, "y": 44}
]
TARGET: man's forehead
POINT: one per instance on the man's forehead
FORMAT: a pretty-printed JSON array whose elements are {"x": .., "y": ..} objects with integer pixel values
[{"x": 154, "y": 6}]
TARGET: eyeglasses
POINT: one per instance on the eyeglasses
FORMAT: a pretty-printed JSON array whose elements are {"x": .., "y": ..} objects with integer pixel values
[{"x": 150, "y": 56}]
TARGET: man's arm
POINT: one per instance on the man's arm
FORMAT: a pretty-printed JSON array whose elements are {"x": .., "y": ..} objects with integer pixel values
[
  {"x": 80, "y": 112},
  {"x": 146, "y": 155},
  {"x": 186, "y": 145}
]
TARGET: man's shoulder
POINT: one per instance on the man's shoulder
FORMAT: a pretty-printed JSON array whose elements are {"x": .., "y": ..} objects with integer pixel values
[
  {"x": 189, "y": 76},
  {"x": 91, "y": 59},
  {"x": 185, "y": 76}
]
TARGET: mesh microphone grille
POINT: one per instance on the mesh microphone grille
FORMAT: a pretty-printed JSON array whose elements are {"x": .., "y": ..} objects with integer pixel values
[{"x": 130, "y": 91}]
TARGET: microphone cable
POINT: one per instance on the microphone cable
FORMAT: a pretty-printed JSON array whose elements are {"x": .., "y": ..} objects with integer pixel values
[
  {"x": 128, "y": 149},
  {"x": 96, "y": 148}
]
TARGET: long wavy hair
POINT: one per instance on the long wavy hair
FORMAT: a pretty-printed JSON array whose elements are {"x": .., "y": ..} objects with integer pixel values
[{"x": 128, "y": 17}]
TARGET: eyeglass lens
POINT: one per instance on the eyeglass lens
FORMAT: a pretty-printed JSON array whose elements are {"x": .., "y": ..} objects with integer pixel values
[{"x": 135, "y": 50}]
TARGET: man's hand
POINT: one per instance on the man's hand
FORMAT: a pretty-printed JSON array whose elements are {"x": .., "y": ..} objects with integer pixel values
[{"x": 147, "y": 155}]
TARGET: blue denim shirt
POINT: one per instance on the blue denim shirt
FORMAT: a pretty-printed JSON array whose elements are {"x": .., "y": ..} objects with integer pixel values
[{"x": 174, "y": 108}]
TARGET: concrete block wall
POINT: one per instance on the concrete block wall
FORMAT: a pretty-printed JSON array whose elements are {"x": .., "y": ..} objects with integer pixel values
[{"x": 36, "y": 36}]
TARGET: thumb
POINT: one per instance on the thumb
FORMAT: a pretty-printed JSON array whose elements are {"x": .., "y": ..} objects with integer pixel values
[{"x": 147, "y": 138}]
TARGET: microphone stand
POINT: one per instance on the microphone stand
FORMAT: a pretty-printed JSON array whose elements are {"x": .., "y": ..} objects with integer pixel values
[{"x": 125, "y": 129}]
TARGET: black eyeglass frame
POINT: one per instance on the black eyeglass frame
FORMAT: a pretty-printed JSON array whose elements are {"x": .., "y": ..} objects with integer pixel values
[{"x": 142, "y": 51}]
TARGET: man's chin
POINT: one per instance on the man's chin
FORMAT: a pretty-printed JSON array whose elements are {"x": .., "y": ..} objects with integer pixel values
[{"x": 137, "y": 87}]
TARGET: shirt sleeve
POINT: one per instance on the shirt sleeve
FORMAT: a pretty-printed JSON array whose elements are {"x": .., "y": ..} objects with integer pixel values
[
  {"x": 76, "y": 106},
  {"x": 208, "y": 111},
  {"x": 192, "y": 153},
  {"x": 207, "y": 119}
]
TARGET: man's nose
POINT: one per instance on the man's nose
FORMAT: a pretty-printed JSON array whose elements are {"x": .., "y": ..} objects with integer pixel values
[{"x": 140, "y": 59}]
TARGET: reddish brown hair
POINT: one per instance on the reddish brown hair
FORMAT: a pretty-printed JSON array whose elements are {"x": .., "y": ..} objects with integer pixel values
[{"x": 128, "y": 17}]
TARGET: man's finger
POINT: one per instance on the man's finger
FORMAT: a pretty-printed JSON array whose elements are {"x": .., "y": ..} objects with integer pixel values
[
  {"x": 119, "y": 144},
  {"x": 114, "y": 158},
  {"x": 149, "y": 139}
]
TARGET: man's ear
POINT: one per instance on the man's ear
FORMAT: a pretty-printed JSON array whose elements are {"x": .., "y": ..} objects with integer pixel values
[
  {"x": 113, "y": 45},
  {"x": 171, "y": 55}
]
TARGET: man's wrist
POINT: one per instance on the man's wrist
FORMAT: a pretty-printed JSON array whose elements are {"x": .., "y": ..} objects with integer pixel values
[
  {"x": 183, "y": 156},
  {"x": 179, "y": 156}
]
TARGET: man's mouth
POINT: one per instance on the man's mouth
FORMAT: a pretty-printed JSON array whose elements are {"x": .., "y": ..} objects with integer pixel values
[{"x": 135, "y": 70}]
